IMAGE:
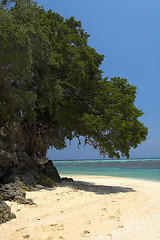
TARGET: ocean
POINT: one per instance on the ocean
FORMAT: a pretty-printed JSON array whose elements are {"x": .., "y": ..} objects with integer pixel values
[{"x": 147, "y": 169}]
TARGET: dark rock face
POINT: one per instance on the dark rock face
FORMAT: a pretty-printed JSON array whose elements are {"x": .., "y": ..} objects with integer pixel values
[
  {"x": 14, "y": 192},
  {"x": 1, "y": 173},
  {"x": 23, "y": 178},
  {"x": 51, "y": 171},
  {"x": 5, "y": 213},
  {"x": 26, "y": 162},
  {"x": 10, "y": 191},
  {"x": 20, "y": 172},
  {"x": 39, "y": 165},
  {"x": 27, "y": 168},
  {"x": 67, "y": 179},
  {"x": 8, "y": 160},
  {"x": 40, "y": 161}
]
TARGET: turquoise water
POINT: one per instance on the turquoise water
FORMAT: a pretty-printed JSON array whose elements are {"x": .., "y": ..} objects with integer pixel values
[{"x": 148, "y": 169}]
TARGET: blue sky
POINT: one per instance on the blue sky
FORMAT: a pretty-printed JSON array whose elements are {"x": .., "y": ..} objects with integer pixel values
[{"x": 127, "y": 33}]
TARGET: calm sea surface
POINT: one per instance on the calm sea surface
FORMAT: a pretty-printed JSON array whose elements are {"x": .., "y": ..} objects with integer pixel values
[{"x": 148, "y": 169}]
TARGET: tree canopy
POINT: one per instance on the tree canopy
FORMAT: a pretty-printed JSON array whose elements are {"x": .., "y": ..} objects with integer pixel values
[{"x": 52, "y": 89}]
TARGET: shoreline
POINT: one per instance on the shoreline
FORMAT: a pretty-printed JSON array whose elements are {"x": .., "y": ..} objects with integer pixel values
[
  {"x": 92, "y": 208},
  {"x": 106, "y": 177}
]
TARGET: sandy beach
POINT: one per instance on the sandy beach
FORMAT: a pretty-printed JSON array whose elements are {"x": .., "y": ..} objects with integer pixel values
[{"x": 92, "y": 207}]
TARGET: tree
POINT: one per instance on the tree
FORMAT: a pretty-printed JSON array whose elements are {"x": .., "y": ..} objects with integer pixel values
[{"x": 52, "y": 89}]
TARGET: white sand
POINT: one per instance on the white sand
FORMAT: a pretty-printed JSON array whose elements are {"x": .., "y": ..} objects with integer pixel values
[{"x": 106, "y": 209}]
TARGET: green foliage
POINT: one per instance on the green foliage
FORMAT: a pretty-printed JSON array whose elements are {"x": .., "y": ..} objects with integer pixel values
[
  {"x": 51, "y": 87},
  {"x": 114, "y": 118}
]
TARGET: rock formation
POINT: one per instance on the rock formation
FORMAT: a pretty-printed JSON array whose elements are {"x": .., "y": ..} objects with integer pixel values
[{"x": 20, "y": 172}]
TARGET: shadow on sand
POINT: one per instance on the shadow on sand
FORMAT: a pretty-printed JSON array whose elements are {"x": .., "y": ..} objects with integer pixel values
[{"x": 97, "y": 189}]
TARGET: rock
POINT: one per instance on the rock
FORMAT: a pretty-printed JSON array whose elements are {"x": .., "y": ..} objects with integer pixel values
[
  {"x": 21, "y": 166},
  {"x": 12, "y": 164},
  {"x": 40, "y": 161},
  {"x": 14, "y": 192},
  {"x": 23, "y": 178},
  {"x": 23, "y": 157},
  {"x": 10, "y": 191},
  {"x": 42, "y": 168},
  {"x": 51, "y": 171},
  {"x": 15, "y": 159},
  {"x": 2, "y": 172},
  {"x": 45, "y": 181},
  {"x": 67, "y": 179},
  {"x": 26, "y": 162},
  {"x": 26, "y": 236},
  {"x": 8, "y": 160},
  {"x": 43, "y": 160},
  {"x": 5, "y": 213},
  {"x": 19, "y": 173},
  {"x": 21, "y": 200}
]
